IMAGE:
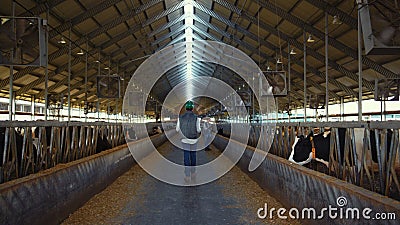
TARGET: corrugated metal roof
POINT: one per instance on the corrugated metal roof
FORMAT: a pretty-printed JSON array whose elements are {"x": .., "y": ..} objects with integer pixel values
[{"x": 120, "y": 32}]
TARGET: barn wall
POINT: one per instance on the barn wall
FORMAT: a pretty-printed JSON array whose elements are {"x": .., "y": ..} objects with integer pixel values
[
  {"x": 300, "y": 187},
  {"x": 51, "y": 195}
]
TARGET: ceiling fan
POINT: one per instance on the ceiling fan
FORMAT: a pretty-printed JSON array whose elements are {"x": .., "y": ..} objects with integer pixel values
[{"x": 22, "y": 41}]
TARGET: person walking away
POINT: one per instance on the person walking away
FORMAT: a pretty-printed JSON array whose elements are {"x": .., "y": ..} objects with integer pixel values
[{"x": 189, "y": 125}]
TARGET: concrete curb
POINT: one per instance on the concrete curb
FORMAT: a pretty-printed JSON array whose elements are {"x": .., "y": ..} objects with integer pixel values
[{"x": 299, "y": 187}]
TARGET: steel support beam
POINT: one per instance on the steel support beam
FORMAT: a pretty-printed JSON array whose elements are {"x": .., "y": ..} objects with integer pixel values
[
  {"x": 247, "y": 46},
  {"x": 166, "y": 26},
  {"x": 265, "y": 43},
  {"x": 333, "y": 42},
  {"x": 169, "y": 35},
  {"x": 310, "y": 52},
  {"x": 334, "y": 11},
  {"x": 76, "y": 20},
  {"x": 91, "y": 52},
  {"x": 164, "y": 13},
  {"x": 299, "y": 45}
]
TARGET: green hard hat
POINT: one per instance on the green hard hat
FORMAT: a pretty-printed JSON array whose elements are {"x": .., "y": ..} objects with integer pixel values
[{"x": 189, "y": 105}]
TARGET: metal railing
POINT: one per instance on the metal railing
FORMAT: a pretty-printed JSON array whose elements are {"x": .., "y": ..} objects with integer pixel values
[
  {"x": 356, "y": 166},
  {"x": 32, "y": 146}
]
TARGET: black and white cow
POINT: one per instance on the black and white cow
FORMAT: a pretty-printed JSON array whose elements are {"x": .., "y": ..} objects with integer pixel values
[
  {"x": 156, "y": 130},
  {"x": 18, "y": 143},
  {"x": 302, "y": 148},
  {"x": 19, "y": 139}
]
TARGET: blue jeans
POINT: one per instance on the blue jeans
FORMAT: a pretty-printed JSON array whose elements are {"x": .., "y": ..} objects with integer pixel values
[{"x": 189, "y": 158}]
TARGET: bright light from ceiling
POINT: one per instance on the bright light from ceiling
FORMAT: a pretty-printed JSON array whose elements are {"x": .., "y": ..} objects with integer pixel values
[{"x": 188, "y": 10}]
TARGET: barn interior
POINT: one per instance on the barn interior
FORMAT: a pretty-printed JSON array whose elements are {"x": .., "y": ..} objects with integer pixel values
[{"x": 86, "y": 83}]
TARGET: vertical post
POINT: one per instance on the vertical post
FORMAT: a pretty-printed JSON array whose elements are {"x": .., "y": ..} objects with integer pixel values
[
  {"x": 98, "y": 109},
  {"x": 46, "y": 82},
  {"x": 108, "y": 102},
  {"x": 86, "y": 76},
  {"x": 384, "y": 110},
  {"x": 108, "y": 111},
  {"x": 98, "y": 74},
  {"x": 69, "y": 75},
  {"x": 14, "y": 105},
  {"x": 326, "y": 68},
  {"x": 116, "y": 110},
  {"x": 341, "y": 108},
  {"x": 252, "y": 100},
  {"x": 119, "y": 94},
  {"x": 289, "y": 88},
  {"x": 359, "y": 65},
  {"x": 33, "y": 107},
  {"x": 123, "y": 88},
  {"x": 10, "y": 104},
  {"x": 305, "y": 75}
]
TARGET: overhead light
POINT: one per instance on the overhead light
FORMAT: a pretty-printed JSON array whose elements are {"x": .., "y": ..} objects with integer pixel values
[
  {"x": 292, "y": 52},
  {"x": 268, "y": 68},
  {"x": 80, "y": 52},
  {"x": 61, "y": 41},
  {"x": 279, "y": 61},
  {"x": 336, "y": 20},
  {"x": 4, "y": 20},
  {"x": 106, "y": 68},
  {"x": 97, "y": 61},
  {"x": 310, "y": 39}
]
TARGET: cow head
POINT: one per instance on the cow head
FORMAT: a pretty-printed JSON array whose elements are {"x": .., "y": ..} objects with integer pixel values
[{"x": 302, "y": 148}]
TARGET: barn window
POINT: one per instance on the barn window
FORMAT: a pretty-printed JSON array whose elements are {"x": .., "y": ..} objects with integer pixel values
[
  {"x": 27, "y": 108},
  {"x": 3, "y": 106},
  {"x": 18, "y": 108}
]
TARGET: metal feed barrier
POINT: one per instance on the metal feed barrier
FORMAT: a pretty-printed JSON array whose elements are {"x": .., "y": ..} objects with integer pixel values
[
  {"x": 51, "y": 196},
  {"x": 54, "y": 143},
  {"x": 356, "y": 166}
]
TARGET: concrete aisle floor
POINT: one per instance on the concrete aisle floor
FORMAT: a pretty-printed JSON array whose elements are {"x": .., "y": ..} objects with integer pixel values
[{"x": 138, "y": 198}]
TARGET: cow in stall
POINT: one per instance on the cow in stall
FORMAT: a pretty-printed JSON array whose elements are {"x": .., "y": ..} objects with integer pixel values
[
  {"x": 48, "y": 135},
  {"x": 156, "y": 130},
  {"x": 12, "y": 160},
  {"x": 18, "y": 141},
  {"x": 302, "y": 149},
  {"x": 317, "y": 147},
  {"x": 102, "y": 142}
]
